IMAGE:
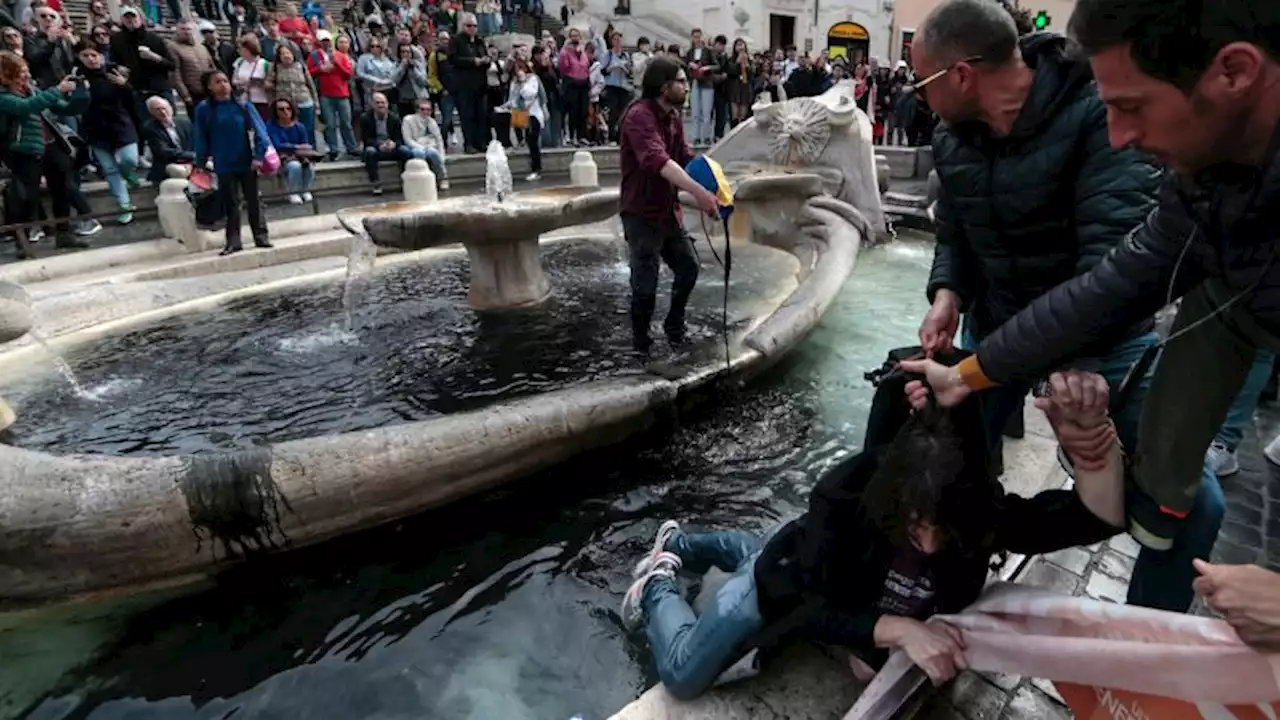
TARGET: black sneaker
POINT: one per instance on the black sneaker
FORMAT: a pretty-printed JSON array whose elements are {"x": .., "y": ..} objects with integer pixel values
[
  {"x": 1152, "y": 525},
  {"x": 264, "y": 244},
  {"x": 377, "y": 189},
  {"x": 231, "y": 249},
  {"x": 642, "y": 344}
]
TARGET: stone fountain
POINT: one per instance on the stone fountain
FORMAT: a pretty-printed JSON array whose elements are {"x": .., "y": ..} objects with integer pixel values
[
  {"x": 499, "y": 231},
  {"x": 77, "y": 522}
]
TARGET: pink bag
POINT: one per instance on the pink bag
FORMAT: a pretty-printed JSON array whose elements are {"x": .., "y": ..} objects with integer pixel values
[{"x": 270, "y": 161}]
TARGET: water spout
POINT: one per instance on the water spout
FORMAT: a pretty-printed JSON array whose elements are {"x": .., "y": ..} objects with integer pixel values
[
  {"x": 60, "y": 363},
  {"x": 360, "y": 260},
  {"x": 497, "y": 172}
]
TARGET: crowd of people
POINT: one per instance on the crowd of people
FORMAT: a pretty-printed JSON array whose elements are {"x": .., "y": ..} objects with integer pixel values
[{"x": 385, "y": 81}]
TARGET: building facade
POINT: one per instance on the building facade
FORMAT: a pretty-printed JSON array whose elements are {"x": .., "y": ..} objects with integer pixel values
[{"x": 908, "y": 14}]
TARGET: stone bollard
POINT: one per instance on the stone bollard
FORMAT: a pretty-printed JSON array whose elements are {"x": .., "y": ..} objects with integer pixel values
[
  {"x": 419, "y": 182},
  {"x": 16, "y": 318},
  {"x": 583, "y": 171},
  {"x": 177, "y": 215}
]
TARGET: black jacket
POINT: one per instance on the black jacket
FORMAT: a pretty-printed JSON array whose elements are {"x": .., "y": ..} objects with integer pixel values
[
  {"x": 1019, "y": 215},
  {"x": 1226, "y": 219},
  {"x": 463, "y": 51},
  {"x": 822, "y": 576},
  {"x": 163, "y": 149},
  {"x": 369, "y": 129},
  {"x": 49, "y": 60},
  {"x": 111, "y": 120},
  {"x": 144, "y": 75}
]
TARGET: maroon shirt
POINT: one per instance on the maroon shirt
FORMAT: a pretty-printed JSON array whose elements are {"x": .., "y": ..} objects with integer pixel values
[{"x": 649, "y": 136}]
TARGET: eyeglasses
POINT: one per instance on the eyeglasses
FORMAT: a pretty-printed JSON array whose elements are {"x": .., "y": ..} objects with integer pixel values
[{"x": 920, "y": 85}]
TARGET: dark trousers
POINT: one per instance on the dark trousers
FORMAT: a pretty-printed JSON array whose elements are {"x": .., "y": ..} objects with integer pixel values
[
  {"x": 233, "y": 186},
  {"x": 722, "y": 111},
  {"x": 23, "y": 200},
  {"x": 373, "y": 156},
  {"x": 533, "y": 139},
  {"x": 472, "y": 112},
  {"x": 577, "y": 101},
  {"x": 648, "y": 243},
  {"x": 616, "y": 100}
]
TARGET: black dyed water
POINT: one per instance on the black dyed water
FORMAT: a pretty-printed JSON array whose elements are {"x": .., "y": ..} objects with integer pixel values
[
  {"x": 282, "y": 366},
  {"x": 503, "y": 607}
]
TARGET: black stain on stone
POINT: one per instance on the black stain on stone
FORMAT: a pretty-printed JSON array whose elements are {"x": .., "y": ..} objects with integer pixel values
[{"x": 234, "y": 502}]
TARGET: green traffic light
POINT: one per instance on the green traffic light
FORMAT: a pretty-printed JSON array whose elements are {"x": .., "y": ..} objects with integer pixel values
[{"x": 1042, "y": 20}]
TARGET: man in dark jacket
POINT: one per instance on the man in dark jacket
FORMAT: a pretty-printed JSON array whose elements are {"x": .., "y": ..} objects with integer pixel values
[
  {"x": 1192, "y": 84},
  {"x": 470, "y": 59},
  {"x": 169, "y": 138},
  {"x": 48, "y": 51},
  {"x": 383, "y": 139},
  {"x": 145, "y": 55},
  {"x": 1031, "y": 196}
]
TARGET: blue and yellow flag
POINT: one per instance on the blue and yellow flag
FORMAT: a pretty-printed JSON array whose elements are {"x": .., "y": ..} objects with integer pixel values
[{"x": 708, "y": 173}]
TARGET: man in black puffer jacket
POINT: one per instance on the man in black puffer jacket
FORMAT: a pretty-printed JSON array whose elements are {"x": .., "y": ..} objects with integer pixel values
[
  {"x": 1033, "y": 195},
  {"x": 1195, "y": 83}
]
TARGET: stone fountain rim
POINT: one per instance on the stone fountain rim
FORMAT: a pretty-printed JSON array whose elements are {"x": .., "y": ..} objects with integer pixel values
[{"x": 60, "y": 497}]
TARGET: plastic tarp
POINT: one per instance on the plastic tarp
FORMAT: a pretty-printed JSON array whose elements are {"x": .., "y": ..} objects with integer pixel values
[{"x": 1107, "y": 661}]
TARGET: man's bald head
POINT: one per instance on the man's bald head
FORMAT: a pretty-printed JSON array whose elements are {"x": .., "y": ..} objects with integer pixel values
[{"x": 960, "y": 29}]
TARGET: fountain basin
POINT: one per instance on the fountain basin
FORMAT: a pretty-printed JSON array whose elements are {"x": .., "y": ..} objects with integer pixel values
[
  {"x": 76, "y": 526},
  {"x": 501, "y": 237}
]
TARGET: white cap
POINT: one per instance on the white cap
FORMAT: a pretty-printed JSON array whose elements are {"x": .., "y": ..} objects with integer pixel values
[
  {"x": 323, "y": 35},
  {"x": 206, "y": 26},
  {"x": 901, "y": 64},
  {"x": 129, "y": 10}
]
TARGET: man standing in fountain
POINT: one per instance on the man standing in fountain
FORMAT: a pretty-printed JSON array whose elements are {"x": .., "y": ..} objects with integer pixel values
[{"x": 653, "y": 154}]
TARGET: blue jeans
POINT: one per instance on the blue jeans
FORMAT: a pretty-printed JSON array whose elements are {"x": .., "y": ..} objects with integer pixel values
[
  {"x": 552, "y": 133},
  {"x": 337, "y": 116},
  {"x": 703, "y": 100},
  {"x": 1161, "y": 580},
  {"x": 692, "y": 651},
  {"x": 1240, "y": 415},
  {"x": 115, "y": 164},
  {"x": 298, "y": 177},
  {"x": 307, "y": 116},
  {"x": 433, "y": 158}
]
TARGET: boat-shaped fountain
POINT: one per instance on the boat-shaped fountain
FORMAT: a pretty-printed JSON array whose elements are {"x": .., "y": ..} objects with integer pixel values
[{"x": 248, "y": 419}]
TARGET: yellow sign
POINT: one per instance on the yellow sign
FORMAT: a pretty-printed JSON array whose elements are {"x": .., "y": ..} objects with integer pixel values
[
  {"x": 837, "y": 51},
  {"x": 848, "y": 31}
]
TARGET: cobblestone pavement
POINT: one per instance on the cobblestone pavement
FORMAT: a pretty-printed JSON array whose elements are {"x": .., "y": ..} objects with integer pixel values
[{"x": 1250, "y": 534}]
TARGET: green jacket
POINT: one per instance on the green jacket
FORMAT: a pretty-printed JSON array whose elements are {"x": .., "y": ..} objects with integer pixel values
[{"x": 20, "y": 121}]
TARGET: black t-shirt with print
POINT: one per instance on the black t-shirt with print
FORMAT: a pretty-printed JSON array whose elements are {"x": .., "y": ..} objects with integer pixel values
[{"x": 908, "y": 586}]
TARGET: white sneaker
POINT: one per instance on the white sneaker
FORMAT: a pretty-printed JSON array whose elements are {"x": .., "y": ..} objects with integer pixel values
[
  {"x": 1272, "y": 451},
  {"x": 1222, "y": 461},
  {"x": 665, "y": 531},
  {"x": 295, "y": 199},
  {"x": 36, "y": 235},
  {"x": 444, "y": 184},
  {"x": 632, "y": 610},
  {"x": 306, "y": 197},
  {"x": 533, "y": 177}
]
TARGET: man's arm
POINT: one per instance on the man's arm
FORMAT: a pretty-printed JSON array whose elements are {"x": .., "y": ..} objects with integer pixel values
[
  {"x": 1115, "y": 191},
  {"x": 1127, "y": 285}
]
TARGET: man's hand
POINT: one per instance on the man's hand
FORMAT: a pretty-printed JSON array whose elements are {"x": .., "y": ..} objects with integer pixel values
[
  {"x": 387, "y": 145},
  {"x": 947, "y": 385},
  {"x": 1077, "y": 410},
  {"x": 68, "y": 84},
  {"x": 147, "y": 53},
  {"x": 1248, "y": 597},
  {"x": 708, "y": 202},
  {"x": 941, "y": 323},
  {"x": 936, "y": 648},
  {"x": 116, "y": 78}
]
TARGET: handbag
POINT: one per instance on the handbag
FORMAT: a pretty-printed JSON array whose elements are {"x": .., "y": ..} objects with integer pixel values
[
  {"x": 519, "y": 118},
  {"x": 202, "y": 192},
  {"x": 271, "y": 158}
]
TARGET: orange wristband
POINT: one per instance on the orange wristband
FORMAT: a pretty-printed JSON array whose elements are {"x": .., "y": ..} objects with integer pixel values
[{"x": 971, "y": 374}]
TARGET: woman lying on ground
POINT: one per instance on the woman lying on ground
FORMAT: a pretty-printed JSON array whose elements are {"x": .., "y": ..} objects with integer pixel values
[{"x": 898, "y": 533}]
